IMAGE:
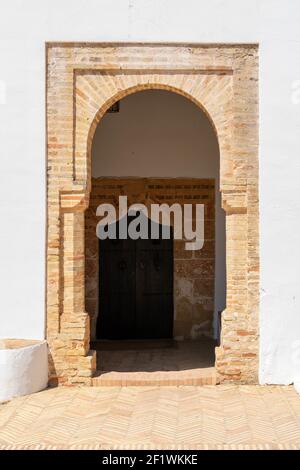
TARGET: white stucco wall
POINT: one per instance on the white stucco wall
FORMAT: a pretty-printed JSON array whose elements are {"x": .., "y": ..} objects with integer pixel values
[{"x": 24, "y": 28}]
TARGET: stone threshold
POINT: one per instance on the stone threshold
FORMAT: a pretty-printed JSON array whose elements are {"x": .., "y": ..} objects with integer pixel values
[{"x": 205, "y": 376}]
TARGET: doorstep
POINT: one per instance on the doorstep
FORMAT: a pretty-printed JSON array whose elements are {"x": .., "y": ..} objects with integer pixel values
[{"x": 205, "y": 376}]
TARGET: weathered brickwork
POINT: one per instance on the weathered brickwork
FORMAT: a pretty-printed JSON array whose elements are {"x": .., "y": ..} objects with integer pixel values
[
  {"x": 83, "y": 81},
  {"x": 193, "y": 270}
]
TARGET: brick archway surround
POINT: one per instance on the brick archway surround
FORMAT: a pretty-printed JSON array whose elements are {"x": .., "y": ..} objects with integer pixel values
[{"x": 83, "y": 81}]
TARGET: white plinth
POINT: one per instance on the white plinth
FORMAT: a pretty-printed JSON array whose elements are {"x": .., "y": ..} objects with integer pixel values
[{"x": 23, "y": 367}]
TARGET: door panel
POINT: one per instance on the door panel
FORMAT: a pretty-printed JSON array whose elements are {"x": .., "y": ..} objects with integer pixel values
[
  {"x": 135, "y": 289},
  {"x": 154, "y": 291},
  {"x": 116, "y": 319}
]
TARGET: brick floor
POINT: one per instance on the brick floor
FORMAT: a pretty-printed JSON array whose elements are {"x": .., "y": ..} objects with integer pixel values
[
  {"x": 207, "y": 417},
  {"x": 186, "y": 363}
]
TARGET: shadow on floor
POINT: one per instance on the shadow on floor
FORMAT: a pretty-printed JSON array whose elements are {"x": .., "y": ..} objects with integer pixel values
[{"x": 152, "y": 356}]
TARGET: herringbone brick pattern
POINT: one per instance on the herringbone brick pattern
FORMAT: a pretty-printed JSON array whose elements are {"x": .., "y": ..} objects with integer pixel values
[{"x": 208, "y": 417}]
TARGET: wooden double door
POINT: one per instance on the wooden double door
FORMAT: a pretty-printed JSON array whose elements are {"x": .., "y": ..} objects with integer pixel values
[{"x": 135, "y": 288}]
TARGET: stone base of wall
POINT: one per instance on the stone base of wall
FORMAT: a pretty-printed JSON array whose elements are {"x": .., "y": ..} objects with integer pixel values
[
  {"x": 236, "y": 358},
  {"x": 72, "y": 370},
  {"x": 70, "y": 360}
]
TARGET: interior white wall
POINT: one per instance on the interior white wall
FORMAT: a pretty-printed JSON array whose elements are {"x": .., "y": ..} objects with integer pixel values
[
  {"x": 156, "y": 133},
  {"x": 25, "y": 25},
  {"x": 162, "y": 134}
]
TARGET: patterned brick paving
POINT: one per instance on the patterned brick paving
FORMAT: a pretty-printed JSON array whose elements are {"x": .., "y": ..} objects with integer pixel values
[{"x": 209, "y": 417}]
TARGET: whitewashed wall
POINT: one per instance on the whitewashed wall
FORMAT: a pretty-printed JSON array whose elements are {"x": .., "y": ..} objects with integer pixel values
[{"x": 25, "y": 25}]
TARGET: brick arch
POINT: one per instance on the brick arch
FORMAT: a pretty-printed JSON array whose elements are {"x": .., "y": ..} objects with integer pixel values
[
  {"x": 82, "y": 82},
  {"x": 89, "y": 112},
  {"x": 137, "y": 88}
]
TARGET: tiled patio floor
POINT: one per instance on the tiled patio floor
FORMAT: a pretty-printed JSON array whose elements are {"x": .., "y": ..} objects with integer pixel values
[{"x": 187, "y": 417}]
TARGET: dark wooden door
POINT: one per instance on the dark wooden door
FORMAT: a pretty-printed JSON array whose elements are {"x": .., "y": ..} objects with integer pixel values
[{"x": 135, "y": 288}]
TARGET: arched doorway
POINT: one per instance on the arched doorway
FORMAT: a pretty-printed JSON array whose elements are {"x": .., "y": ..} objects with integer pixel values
[
  {"x": 156, "y": 146},
  {"x": 83, "y": 81}
]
